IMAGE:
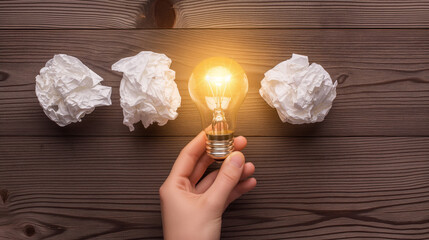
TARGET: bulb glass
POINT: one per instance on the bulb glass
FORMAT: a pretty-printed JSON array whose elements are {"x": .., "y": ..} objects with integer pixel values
[{"x": 218, "y": 87}]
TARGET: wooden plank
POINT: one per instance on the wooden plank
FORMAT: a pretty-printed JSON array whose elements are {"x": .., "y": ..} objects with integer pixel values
[
  {"x": 310, "y": 188},
  {"x": 383, "y": 78},
  {"x": 302, "y": 14},
  {"x": 26, "y": 14},
  {"x": 29, "y": 14}
]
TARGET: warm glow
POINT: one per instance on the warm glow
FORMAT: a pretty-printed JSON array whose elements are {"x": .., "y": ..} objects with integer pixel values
[
  {"x": 218, "y": 83},
  {"x": 218, "y": 76},
  {"x": 218, "y": 86}
]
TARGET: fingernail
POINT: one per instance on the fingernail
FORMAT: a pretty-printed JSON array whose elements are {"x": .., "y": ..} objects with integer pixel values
[{"x": 237, "y": 160}]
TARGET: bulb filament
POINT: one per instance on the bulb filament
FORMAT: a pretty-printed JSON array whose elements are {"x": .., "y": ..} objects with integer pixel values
[{"x": 218, "y": 79}]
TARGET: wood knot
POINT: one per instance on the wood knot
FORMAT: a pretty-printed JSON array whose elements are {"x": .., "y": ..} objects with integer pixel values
[
  {"x": 342, "y": 78},
  {"x": 164, "y": 14},
  {"x": 29, "y": 230},
  {"x": 4, "y": 195},
  {"x": 157, "y": 14},
  {"x": 3, "y": 76}
]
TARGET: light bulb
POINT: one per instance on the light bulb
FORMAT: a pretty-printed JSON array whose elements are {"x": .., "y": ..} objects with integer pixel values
[{"x": 218, "y": 86}]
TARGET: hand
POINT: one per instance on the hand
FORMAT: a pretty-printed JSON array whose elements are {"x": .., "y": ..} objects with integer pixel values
[{"x": 192, "y": 209}]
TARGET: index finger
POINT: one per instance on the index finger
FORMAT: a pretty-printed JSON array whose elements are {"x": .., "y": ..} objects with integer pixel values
[{"x": 189, "y": 156}]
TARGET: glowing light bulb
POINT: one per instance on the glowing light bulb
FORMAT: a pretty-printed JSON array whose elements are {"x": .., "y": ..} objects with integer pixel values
[{"x": 218, "y": 86}]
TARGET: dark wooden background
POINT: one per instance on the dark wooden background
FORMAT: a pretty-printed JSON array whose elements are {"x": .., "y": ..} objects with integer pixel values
[{"x": 363, "y": 173}]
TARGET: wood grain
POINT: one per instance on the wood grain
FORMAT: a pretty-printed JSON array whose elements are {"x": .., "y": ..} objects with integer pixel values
[
  {"x": 308, "y": 188},
  {"x": 383, "y": 78},
  {"x": 302, "y": 14},
  {"x": 125, "y": 14},
  {"x": 29, "y": 14},
  {"x": 361, "y": 174}
]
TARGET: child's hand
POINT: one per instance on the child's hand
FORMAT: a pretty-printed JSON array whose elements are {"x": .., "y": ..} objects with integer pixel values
[{"x": 194, "y": 211}]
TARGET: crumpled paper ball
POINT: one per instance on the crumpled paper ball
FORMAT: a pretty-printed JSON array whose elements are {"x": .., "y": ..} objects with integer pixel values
[
  {"x": 67, "y": 90},
  {"x": 300, "y": 93},
  {"x": 148, "y": 91}
]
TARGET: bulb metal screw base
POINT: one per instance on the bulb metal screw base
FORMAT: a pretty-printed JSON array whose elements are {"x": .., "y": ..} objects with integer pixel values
[{"x": 220, "y": 146}]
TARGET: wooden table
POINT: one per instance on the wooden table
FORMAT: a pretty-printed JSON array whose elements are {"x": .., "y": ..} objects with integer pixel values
[{"x": 363, "y": 173}]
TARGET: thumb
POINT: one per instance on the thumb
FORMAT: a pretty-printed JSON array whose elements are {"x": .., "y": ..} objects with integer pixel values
[{"x": 227, "y": 178}]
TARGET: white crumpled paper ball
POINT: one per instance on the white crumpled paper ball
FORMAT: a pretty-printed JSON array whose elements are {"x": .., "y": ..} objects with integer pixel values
[
  {"x": 67, "y": 90},
  {"x": 300, "y": 93},
  {"x": 148, "y": 91}
]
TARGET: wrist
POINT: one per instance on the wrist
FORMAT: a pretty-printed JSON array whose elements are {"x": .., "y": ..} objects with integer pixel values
[{"x": 207, "y": 231}]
